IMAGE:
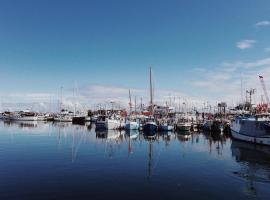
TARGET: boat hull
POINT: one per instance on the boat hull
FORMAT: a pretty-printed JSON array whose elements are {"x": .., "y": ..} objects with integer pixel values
[
  {"x": 35, "y": 118},
  {"x": 183, "y": 127},
  {"x": 256, "y": 140},
  {"x": 63, "y": 119},
  {"x": 132, "y": 126},
  {"x": 150, "y": 128},
  {"x": 165, "y": 128}
]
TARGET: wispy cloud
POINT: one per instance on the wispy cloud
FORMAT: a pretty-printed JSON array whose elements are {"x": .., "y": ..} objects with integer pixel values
[
  {"x": 267, "y": 49},
  {"x": 223, "y": 84},
  {"x": 262, "y": 23},
  {"x": 245, "y": 44},
  {"x": 242, "y": 64}
]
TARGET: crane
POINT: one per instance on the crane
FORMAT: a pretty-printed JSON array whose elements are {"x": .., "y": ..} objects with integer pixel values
[{"x": 264, "y": 90}]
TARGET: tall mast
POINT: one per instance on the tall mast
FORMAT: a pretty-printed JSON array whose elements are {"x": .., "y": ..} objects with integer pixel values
[
  {"x": 135, "y": 105},
  {"x": 151, "y": 92},
  {"x": 241, "y": 89},
  {"x": 129, "y": 101},
  {"x": 61, "y": 90},
  {"x": 141, "y": 105}
]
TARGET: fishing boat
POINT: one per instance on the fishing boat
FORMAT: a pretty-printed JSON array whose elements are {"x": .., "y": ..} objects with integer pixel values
[
  {"x": 183, "y": 123},
  {"x": 255, "y": 129},
  {"x": 64, "y": 116},
  {"x": 165, "y": 125},
  {"x": 112, "y": 123},
  {"x": 150, "y": 126},
  {"x": 100, "y": 122},
  {"x": 183, "y": 126}
]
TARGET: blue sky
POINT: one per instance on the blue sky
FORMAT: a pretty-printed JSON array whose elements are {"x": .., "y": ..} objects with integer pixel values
[{"x": 196, "y": 48}]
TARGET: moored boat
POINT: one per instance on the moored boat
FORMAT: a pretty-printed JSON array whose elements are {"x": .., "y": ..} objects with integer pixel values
[
  {"x": 255, "y": 129},
  {"x": 131, "y": 125},
  {"x": 23, "y": 116},
  {"x": 183, "y": 126}
]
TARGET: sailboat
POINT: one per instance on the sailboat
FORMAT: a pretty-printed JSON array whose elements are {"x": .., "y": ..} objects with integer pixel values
[
  {"x": 131, "y": 123},
  {"x": 150, "y": 127}
]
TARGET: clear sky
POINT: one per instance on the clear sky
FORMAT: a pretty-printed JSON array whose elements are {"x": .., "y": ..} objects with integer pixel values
[{"x": 196, "y": 48}]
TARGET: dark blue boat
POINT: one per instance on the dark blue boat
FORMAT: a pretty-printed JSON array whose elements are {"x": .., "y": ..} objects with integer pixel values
[{"x": 150, "y": 128}]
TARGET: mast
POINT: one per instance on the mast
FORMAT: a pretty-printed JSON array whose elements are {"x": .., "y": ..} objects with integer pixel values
[
  {"x": 151, "y": 92},
  {"x": 135, "y": 105},
  {"x": 241, "y": 89},
  {"x": 129, "y": 101},
  {"x": 61, "y": 91},
  {"x": 141, "y": 105}
]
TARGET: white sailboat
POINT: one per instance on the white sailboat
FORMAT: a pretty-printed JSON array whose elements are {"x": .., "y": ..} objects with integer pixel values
[{"x": 131, "y": 123}]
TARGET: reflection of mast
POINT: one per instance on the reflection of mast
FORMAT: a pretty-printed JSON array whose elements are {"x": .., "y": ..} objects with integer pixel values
[
  {"x": 59, "y": 136},
  {"x": 129, "y": 146},
  {"x": 150, "y": 152},
  {"x": 75, "y": 147}
]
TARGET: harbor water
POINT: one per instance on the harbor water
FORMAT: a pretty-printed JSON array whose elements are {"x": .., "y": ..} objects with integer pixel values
[{"x": 64, "y": 161}]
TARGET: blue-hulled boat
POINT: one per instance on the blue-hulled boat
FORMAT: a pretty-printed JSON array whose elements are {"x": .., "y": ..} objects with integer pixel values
[{"x": 255, "y": 129}]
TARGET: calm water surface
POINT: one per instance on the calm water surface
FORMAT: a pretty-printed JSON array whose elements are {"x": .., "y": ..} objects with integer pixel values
[{"x": 65, "y": 161}]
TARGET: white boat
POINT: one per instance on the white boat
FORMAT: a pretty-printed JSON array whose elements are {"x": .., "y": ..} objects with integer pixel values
[
  {"x": 88, "y": 119},
  {"x": 64, "y": 116},
  {"x": 183, "y": 126},
  {"x": 112, "y": 124},
  {"x": 41, "y": 118},
  {"x": 251, "y": 129},
  {"x": 131, "y": 125},
  {"x": 23, "y": 116}
]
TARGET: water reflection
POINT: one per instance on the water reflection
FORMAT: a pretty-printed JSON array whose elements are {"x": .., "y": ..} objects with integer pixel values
[
  {"x": 255, "y": 164},
  {"x": 166, "y": 158}
]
